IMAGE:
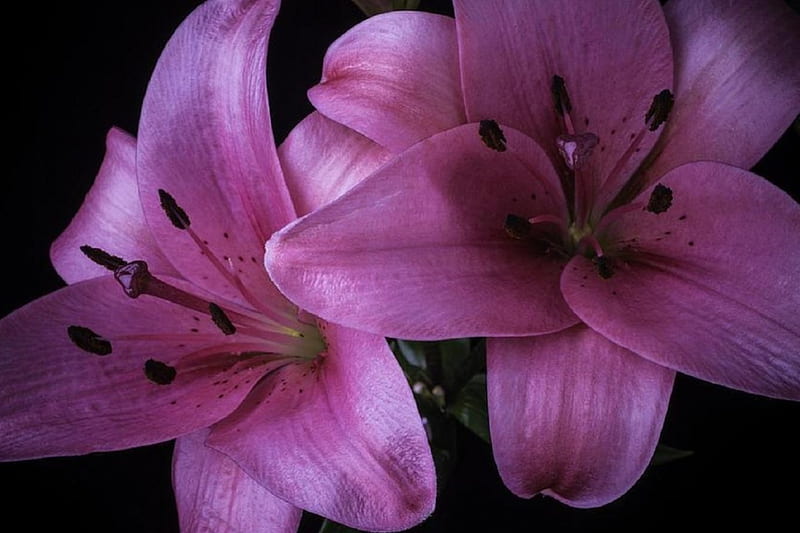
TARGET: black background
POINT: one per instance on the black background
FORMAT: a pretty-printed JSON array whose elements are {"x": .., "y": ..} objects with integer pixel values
[{"x": 78, "y": 68}]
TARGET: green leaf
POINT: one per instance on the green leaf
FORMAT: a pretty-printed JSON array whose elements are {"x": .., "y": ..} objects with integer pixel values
[
  {"x": 412, "y": 352},
  {"x": 329, "y": 526},
  {"x": 373, "y": 7},
  {"x": 666, "y": 454},
  {"x": 457, "y": 367},
  {"x": 470, "y": 407}
]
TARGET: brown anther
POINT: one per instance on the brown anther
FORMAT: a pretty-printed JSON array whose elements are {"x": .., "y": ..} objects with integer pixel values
[
  {"x": 517, "y": 227},
  {"x": 221, "y": 319},
  {"x": 88, "y": 341},
  {"x": 491, "y": 135},
  {"x": 176, "y": 215},
  {"x": 159, "y": 373},
  {"x": 103, "y": 258},
  {"x": 660, "y": 199},
  {"x": 659, "y": 109},
  {"x": 603, "y": 265},
  {"x": 560, "y": 95}
]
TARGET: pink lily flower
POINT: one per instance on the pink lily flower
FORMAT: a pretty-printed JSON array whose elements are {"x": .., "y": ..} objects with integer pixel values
[
  {"x": 545, "y": 194},
  {"x": 274, "y": 410}
]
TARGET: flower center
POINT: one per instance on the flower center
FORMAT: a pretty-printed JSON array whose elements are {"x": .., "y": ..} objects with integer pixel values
[
  {"x": 593, "y": 200},
  {"x": 274, "y": 331}
]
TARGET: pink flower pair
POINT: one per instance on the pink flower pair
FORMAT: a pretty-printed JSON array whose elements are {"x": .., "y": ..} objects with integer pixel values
[{"x": 593, "y": 287}]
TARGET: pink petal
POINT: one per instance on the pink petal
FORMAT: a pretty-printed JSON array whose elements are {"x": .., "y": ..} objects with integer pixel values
[
  {"x": 737, "y": 84},
  {"x": 393, "y": 78},
  {"x": 418, "y": 250},
  {"x": 710, "y": 288},
  {"x": 339, "y": 437},
  {"x": 321, "y": 160},
  {"x": 214, "y": 494},
  {"x": 110, "y": 218},
  {"x": 573, "y": 415},
  {"x": 205, "y": 138},
  {"x": 614, "y": 57},
  {"x": 58, "y": 399}
]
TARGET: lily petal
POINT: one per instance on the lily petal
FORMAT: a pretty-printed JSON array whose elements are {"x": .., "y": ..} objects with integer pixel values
[
  {"x": 205, "y": 138},
  {"x": 344, "y": 437},
  {"x": 58, "y": 399},
  {"x": 393, "y": 78},
  {"x": 737, "y": 84},
  {"x": 214, "y": 494},
  {"x": 110, "y": 218},
  {"x": 509, "y": 57},
  {"x": 710, "y": 287},
  {"x": 418, "y": 250},
  {"x": 322, "y": 159},
  {"x": 573, "y": 415}
]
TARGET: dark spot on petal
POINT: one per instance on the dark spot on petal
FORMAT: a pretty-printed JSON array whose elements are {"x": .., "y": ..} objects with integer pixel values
[
  {"x": 253, "y": 259},
  {"x": 196, "y": 318},
  {"x": 533, "y": 196},
  {"x": 226, "y": 235},
  {"x": 173, "y": 402},
  {"x": 691, "y": 243},
  {"x": 633, "y": 136},
  {"x": 624, "y": 119},
  {"x": 682, "y": 217},
  {"x": 194, "y": 330},
  {"x": 613, "y": 132},
  {"x": 586, "y": 121}
]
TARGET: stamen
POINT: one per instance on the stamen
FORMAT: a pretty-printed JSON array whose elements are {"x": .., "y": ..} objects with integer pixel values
[
  {"x": 563, "y": 105},
  {"x": 103, "y": 258},
  {"x": 560, "y": 95},
  {"x": 659, "y": 109},
  {"x": 176, "y": 215},
  {"x": 159, "y": 373},
  {"x": 492, "y": 136},
  {"x": 89, "y": 341},
  {"x": 603, "y": 266},
  {"x": 660, "y": 199},
  {"x": 221, "y": 319},
  {"x": 517, "y": 227}
]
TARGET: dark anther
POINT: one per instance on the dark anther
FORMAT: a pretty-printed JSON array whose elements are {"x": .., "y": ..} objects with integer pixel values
[
  {"x": 517, "y": 227},
  {"x": 560, "y": 95},
  {"x": 659, "y": 109},
  {"x": 221, "y": 319},
  {"x": 159, "y": 373},
  {"x": 89, "y": 341},
  {"x": 103, "y": 258},
  {"x": 492, "y": 136},
  {"x": 176, "y": 215},
  {"x": 133, "y": 277},
  {"x": 660, "y": 199},
  {"x": 603, "y": 265}
]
